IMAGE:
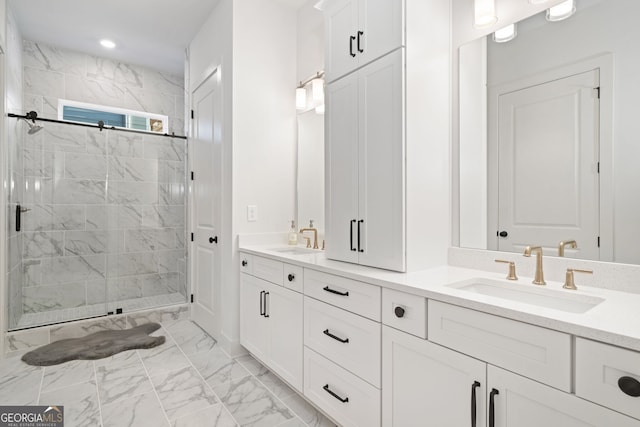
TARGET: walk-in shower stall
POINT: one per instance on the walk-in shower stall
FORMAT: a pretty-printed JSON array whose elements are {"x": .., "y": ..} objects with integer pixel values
[{"x": 96, "y": 221}]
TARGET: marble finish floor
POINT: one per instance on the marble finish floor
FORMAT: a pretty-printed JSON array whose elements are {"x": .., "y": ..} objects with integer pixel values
[
  {"x": 29, "y": 320},
  {"x": 187, "y": 381}
]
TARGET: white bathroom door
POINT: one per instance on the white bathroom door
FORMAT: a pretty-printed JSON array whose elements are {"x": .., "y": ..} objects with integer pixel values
[
  {"x": 206, "y": 163},
  {"x": 548, "y": 153}
]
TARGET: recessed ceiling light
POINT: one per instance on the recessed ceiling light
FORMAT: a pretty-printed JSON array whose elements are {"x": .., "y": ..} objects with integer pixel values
[{"x": 107, "y": 43}]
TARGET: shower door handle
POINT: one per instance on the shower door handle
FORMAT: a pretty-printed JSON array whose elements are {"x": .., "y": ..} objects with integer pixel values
[{"x": 19, "y": 211}]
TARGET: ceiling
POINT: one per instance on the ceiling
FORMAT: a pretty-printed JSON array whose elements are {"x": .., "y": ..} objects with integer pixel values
[{"x": 147, "y": 32}]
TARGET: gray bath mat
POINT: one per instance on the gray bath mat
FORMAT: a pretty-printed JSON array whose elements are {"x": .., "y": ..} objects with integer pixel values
[{"x": 94, "y": 346}]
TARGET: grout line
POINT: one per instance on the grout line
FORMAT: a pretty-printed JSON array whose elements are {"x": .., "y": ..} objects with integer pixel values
[
  {"x": 153, "y": 387},
  {"x": 95, "y": 376},
  {"x": 40, "y": 389}
]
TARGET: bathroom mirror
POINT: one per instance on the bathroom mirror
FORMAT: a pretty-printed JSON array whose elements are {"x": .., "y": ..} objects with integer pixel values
[
  {"x": 310, "y": 178},
  {"x": 547, "y": 135}
]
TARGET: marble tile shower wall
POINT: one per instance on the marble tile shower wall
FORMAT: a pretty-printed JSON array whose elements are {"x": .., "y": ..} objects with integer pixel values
[
  {"x": 106, "y": 219},
  {"x": 52, "y": 73},
  {"x": 107, "y": 208}
]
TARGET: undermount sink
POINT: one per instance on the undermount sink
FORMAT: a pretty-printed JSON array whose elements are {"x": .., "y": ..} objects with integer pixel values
[
  {"x": 541, "y": 297},
  {"x": 295, "y": 250}
]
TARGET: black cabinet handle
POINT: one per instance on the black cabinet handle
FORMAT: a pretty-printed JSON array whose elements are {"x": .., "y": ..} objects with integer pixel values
[
  {"x": 329, "y": 334},
  {"x": 353, "y": 221},
  {"x": 328, "y": 289},
  {"x": 291, "y": 277},
  {"x": 261, "y": 303},
  {"x": 360, "y": 33},
  {"x": 343, "y": 400},
  {"x": 359, "y": 222},
  {"x": 503, "y": 234},
  {"x": 629, "y": 386},
  {"x": 399, "y": 311},
  {"x": 213, "y": 240},
  {"x": 244, "y": 262},
  {"x": 351, "y": 39},
  {"x": 266, "y": 314},
  {"x": 492, "y": 407},
  {"x": 474, "y": 386}
]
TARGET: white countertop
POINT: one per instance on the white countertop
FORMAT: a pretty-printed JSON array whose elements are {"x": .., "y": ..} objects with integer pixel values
[{"x": 615, "y": 321}]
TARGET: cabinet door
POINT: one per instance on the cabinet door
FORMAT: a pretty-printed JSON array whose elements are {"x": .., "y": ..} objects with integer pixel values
[
  {"x": 381, "y": 163},
  {"x": 380, "y": 28},
  {"x": 525, "y": 403},
  {"x": 253, "y": 326},
  {"x": 284, "y": 308},
  {"x": 341, "y": 22},
  {"x": 425, "y": 384},
  {"x": 341, "y": 185}
]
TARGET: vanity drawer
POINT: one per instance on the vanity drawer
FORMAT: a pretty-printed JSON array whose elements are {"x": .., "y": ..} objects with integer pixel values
[
  {"x": 405, "y": 312},
  {"x": 599, "y": 367},
  {"x": 538, "y": 353},
  {"x": 246, "y": 263},
  {"x": 353, "y": 403},
  {"x": 268, "y": 269},
  {"x": 351, "y": 295},
  {"x": 293, "y": 277},
  {"x": 327, "y": 327}
]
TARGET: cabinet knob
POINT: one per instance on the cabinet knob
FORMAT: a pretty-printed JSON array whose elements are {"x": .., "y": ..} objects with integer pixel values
[
  {"x": 213, "y": 239},
  {"x": 244, "y": 262},
  {"x": 291, "y": 277},
  {"x": 629, "y": 386},
  {"x": 399, "y": 311}
]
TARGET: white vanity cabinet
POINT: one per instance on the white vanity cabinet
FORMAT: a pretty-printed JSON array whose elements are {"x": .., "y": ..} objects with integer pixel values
[
  {"x": 359, "y": 31},
  {"x": 365, "y": 165},
  {"x": 271, "y": 316},
  {"x": 342, "y": 353}
]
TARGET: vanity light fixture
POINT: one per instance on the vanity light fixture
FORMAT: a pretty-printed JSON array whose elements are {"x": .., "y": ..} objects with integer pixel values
[
  {"x": 484, "y": 13},
  {"x": 505, "y": 34},
  {"x": 561, "y": 11},
  {"x": 317, "y": 91},
  {"x": 107, "y": 43}
]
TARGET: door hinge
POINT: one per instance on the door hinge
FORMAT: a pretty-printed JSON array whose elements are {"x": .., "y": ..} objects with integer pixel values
[
  {"x": 192, "y": 237},
  {"x": 191, "y": 298},
  {"x": 598, "y": 241},
  {"x": 192, "y": 175},
  {"x": 597, "y": 92},
  {"x": 598, "y": 167},
  {"x": 192, "y": 114}
]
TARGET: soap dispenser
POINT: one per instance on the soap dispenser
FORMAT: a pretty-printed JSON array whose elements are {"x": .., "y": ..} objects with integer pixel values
[{"x": 293, "y": 234}]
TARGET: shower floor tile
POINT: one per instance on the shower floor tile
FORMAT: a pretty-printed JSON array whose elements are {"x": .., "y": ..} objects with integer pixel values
[
  {"x": 187, "y": 381},
  {"x": 64, "y": 315}
]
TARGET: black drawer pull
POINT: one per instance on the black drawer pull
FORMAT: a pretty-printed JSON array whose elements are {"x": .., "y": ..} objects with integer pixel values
[
  {"x": 244, "y": 262},
  {"x": 326, "y": 388},
  {"x": 359, "y": 223},
  {"x": 328, "y": 289},
  {"x": 353, "y": 221},
  {"x": 329, "y": 334},
  {"x": 474, "y": 386},
  {"x": 360, "y": 33},
  {"x": 266, "y": 314},
  {"x": 629, "y": 386},
  {"x": 291, "y": 277},
  {"x": 351, "y": 40},
  {"x": 492, "y": 407},
  {"x": 261, "y": 303}
]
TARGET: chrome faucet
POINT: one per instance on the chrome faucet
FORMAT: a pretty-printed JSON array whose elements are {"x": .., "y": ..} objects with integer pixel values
[
  {"x": 539, "y": 276},
  {"x": 315, "y": 235},
  {"x": 571, "y": 243}
]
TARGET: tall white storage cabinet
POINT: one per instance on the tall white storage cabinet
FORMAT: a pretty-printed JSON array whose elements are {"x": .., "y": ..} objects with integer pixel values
[
  {"x": 365, "y": 173},
  {"x": 387, "y": 132}
]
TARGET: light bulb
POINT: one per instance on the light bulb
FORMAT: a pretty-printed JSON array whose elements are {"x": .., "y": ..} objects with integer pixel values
[
  {"x": 561, "y": 11},
  {"x": 301, "y": 98},
  {"x": 505, "y": 34}
]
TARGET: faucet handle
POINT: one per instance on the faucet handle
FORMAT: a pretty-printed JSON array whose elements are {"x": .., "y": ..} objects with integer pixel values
[
  {"x": 308, "y": 240},
  {"x": 569, "y": 283},
  {"x": 512, "y": 269}
]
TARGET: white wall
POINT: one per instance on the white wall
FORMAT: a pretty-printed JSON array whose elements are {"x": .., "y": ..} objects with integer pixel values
[
  {"x": 310, "y": 49},
  {"x": 254, "y": 42}
]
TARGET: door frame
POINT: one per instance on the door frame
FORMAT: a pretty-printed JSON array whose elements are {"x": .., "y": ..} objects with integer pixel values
[{"x": 603, "y": 63}]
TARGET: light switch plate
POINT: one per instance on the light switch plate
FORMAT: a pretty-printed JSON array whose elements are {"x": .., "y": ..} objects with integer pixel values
[{"x": 252, "y": 213}]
